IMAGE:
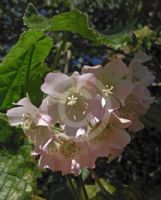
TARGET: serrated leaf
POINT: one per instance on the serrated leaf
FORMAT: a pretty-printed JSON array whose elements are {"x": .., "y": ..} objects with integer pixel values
[
  {"x": 77, "y": 22},
  {"x": 18, "y": 177},
  {"x": 20, "y": 65},
  {"x": 34, "y": 20}
]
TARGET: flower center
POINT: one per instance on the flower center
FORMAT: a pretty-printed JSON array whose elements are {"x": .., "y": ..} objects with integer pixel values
[
  {"x": 69, "y": 149},
  {"x": 108, "y": 90},
  {"x": 72, "y": 100},
  {"x": 127, "y": 113},
  {"x": 28, "y": 122}
]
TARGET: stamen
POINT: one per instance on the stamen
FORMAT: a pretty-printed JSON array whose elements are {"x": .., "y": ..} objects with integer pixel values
[
  {"x": 127, "y": 113},
  {"x": 72, "y": 100},
  {"x": 69, "y": 149},
  {"x": 108, "y": 90},
  {"x": 27, "y": 124}
]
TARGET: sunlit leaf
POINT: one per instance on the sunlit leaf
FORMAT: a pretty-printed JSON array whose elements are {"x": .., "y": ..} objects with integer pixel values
[
  {"x": 108, "y": 187},
  {"x": 143, "y": 32},
  {"x": 18, "y": 177},
  {"x": 77, "y": 22},
  {"x": 92, "y": 190},
  {"x": 20, "y": 65},
  {"x": 34, "y": 20}
]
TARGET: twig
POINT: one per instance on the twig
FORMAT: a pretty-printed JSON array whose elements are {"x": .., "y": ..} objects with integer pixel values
[
  {"x": 96, "y": 179},
  {"x": 74, "y": 191},
  {"x": 83, "y": 187}
]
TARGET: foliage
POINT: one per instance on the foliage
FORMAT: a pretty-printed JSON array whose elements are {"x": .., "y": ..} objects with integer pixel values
[
  {"x": 25, "y": 65},
  {"x": 18, "y": 175},
  {"x": 76, "y": 22}
]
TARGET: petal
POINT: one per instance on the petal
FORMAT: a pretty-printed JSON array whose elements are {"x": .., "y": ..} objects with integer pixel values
[
  {"x": 72, "y": 131},
  {"x": 118, "y": 121},
  {"x": 115, "y": 69},
  {"x": 141, "y": 57},
  {"x": 97, "y": 109},
  {"x": 118, "y": 138},
  {"x": 75, "y": 167},
  {"x": 114, "y": 153},
  {"x": 135, "y": 126},
  {"x": 96, "y": 70},
  {"x": 39, "y": 136},
  {"x": 85, "y": 157},
  {"x": 85, "y": 83},
  {"x": 56, "y": 83},
  {"x": 43, "y": 119},
  {"x": 16, "y": 115},
  {"x": 123, "y": 89},
  {"x": 26, "y": 103},
  {"x": 46, "y": 161},
  {"x": 49, "y": 106}
]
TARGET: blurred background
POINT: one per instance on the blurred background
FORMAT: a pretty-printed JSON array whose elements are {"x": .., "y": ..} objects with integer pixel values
[{"x": 137, "y": 172}]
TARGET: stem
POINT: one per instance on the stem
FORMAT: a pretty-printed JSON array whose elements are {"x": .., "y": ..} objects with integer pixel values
[
  {"x": 74, "y": 191},
  {"x": 96, "y": 179},
  {"x": 83, "y": 187},
  {"x": 60, "y": 49},
  {"x": 28, "y": 69}
]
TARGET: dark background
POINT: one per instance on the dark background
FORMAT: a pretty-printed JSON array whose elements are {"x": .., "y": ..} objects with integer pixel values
[{"x": 139, "y": 167}]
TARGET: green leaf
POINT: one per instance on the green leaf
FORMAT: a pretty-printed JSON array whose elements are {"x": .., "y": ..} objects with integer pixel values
[
  {"x": 3, "y": 117},
  {"x": 20, "y": 65},
  {"x": 77, "y": 22},
  {"x": 108, "y": 186},
  {"x": 85, "y": 174},
  {"x": 18, "y": 177},
  {"x": 35, "y": 81},
  {"x": 91, "y": 190},
  {"x": 34, "y": 20},
  {"x": 144, "y": 32},
  {"x": 11, "y": 138}
]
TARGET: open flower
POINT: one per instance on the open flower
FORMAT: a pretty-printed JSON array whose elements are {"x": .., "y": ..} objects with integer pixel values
[
  {"x": 27, "y": 115},
  {"x": 86, "y": 116},
  {"x": 73, "y": 101},
  {"x": 113, "y": 76},
  {"x": 138, "y": 72},
  {"x": 139, "y": 101},
  {"x": 61, "y": 153}
]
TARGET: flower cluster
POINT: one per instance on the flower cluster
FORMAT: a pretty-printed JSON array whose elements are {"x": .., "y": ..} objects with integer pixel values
[{"x": 87, "y": 115}]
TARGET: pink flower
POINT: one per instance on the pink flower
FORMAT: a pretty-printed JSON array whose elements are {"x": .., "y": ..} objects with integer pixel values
[
  {"x": 113, "y": 77},
  {"x": 139, "y": 72},
  {"x": 61, "y": 153},
  {"x": 86, "y": 116},
  {"x": 72, "y": 101},
  {"x": 138, "y": 102},
  {"x": 27, "y": 115}
]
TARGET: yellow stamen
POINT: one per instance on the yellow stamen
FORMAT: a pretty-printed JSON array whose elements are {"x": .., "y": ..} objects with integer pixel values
[
  {"x": 72, "y": 100},
  {"x": 108, "y": 90}
]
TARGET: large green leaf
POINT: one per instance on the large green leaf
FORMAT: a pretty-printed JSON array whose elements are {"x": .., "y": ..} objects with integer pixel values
[
  {"x": 18, "y": 177},
  {"x": 21, "y": 64},
  {"x": 74, "y": 21}
]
